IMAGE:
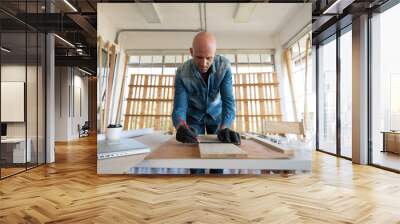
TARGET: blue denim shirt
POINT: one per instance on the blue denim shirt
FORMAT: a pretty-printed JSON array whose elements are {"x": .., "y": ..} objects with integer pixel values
[{"x": 193, "y": 99}]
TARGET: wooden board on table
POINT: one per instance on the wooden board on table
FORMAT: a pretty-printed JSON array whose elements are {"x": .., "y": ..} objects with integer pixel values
[
  {"x": 283, "y": 127},
  {"x": 272, "y": 145},
  {"x": 208, "y": 139},
  {"x": 171, "y": 149},
  {"x": 221, "y": 151}
]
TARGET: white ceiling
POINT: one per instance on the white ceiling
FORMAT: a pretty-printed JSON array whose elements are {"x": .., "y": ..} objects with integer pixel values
[{"x": 266, "y": 19}]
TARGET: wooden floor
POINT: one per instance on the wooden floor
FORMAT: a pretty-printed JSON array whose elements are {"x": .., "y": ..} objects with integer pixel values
[{"x": 70, "y": 191}]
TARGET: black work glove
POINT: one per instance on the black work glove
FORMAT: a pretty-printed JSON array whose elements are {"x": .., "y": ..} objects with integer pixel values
[
  {"x": 186, "y": 134},
  {"x": 229, "y": 136}
]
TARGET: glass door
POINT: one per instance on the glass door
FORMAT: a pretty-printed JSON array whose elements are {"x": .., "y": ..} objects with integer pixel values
[
  {"x": 346, "y": 93},
  {"x": 327, "y": 96}
]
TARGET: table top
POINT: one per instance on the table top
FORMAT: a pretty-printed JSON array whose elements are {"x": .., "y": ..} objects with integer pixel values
[
  {"x": 168, "y": 153},
  {"x": 176, "y": 150},
  {"x": 166, "y": 147},
  {"x": 14, "y": 140},
  {"x": 392, "y": 132}
]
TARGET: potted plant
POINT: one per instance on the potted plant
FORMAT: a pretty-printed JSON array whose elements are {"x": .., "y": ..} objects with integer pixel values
[{"x": 113, "y": 132}]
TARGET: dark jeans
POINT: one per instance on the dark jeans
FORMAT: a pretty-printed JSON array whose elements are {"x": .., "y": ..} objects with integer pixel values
[
  {"x": 209, "y": 127},
  {"x": 202, "y": 171}
]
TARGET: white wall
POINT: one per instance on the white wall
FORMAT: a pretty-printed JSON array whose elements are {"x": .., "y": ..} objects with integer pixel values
[
  {"x": 17, "y": 73},
  {"x": 107, "y": 31},
  {"x": 33, "y": 127},
  {"x": 80, "y": 83},
  {"x": 296, "y": 23},
  {"x": 105, "y": 28},
  {"x": 61, "y": 103},
  {"x": 290, "y": 29},
  {"x": 183, "y": 40},
  {"x": 69, "y": 81}
]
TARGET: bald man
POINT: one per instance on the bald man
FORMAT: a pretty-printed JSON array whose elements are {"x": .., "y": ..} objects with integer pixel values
[{"x": 203, "y": 101}]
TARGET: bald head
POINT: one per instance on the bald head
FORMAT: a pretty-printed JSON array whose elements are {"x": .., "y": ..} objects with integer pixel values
[
  {"x": 204, "y": 41},
  {"x": 203, "y": 50}
]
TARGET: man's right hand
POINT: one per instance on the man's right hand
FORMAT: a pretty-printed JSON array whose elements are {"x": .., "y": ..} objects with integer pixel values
[{"x": 186, "y": 134}]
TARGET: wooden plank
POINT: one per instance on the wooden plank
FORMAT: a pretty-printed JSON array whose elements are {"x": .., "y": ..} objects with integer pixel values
[
  {"x": 221, "y": 151},
  {"x": 143, "y": 105},
  {"x": 121, "y": 95},
  {"x": 110, "y": 85},
  {"x": 127, "y": 121},
  {"x": 287, "y": 57},
  {"x": 246, "y": 105},
  {"x": 172, "y": 149},
  {"x": 103, "y": 97},
  {"x": 308, "y": 46},
  {"x": 158, "y": 105},
  {"x": 272, "y": 145},
  {"x": 276, "y": 95},
  {"x": 208, "y": 138},
  {"x": 171, "y": 96},
  {"x": 283, "y": 127},
  {"x": 261, "y": 94},
  {"x": 99, "y": 79}
]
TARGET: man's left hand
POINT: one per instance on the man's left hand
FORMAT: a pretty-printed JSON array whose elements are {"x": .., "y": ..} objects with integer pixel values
[{"x": 229, "y": 136}]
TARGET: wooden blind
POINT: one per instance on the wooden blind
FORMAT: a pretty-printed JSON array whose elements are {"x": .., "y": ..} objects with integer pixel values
[
  {"x": 150, "y": 101},
  {"x": 257, "y": 99}
]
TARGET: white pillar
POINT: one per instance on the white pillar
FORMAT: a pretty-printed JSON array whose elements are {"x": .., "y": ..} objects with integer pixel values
[
  {"x": 360, "y": 90},
  {"x": 50, "y": 99}
]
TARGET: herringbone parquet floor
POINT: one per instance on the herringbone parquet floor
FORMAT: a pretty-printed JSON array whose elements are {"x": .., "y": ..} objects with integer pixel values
[{"x": 70, "y": 191}]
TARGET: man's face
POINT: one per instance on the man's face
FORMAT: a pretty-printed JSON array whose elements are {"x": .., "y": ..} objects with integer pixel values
[{"x": 203, "y": 58}]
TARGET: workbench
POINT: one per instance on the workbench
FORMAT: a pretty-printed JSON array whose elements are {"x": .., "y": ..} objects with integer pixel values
[{"x": 177, "y": 155}]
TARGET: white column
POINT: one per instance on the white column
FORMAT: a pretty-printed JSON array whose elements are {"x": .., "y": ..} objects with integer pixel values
[
  {"x": 50, "y": 100},
  {"x": 360, "y": 90}
]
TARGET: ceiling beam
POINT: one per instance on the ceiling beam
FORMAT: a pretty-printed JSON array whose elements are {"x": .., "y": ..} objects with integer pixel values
[
  {"x": 243, "y": 12},
  {"x": 82, "y": 61},
  {"x": 150, "y": 12},
  {"x": 83, "y": 23},
  {"x": 337, "y": 7}
]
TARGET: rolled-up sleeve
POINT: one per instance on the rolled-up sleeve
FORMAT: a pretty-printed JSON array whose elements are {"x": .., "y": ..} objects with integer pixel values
[
  {"x": 228, "y": 101},
  {"x": 180, "y": 101}
]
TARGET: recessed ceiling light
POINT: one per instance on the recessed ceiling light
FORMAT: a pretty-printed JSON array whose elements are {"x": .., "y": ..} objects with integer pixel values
[
  {"x": 70, "y": 5},
  {"x": 64, "y": 40},
  {"x": 86, "y": 72},
  {"x": 5, "y": 50}
]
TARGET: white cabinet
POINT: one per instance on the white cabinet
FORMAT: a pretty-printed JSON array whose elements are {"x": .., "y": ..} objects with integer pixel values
[{"x": 18, "y": 149}]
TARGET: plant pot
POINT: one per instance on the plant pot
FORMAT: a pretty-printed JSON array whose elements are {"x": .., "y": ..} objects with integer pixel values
[{"x": 113, "y": 134}]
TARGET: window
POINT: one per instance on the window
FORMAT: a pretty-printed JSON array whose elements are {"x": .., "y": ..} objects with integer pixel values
[
  {"x": 302, "y": 79},
  {"x": 346, "y": 94},
  {"x": 385, "y": 88},
  {"x": 22, "y": 74},
  {"x": 327, "y": 96},
  {"x": 148, "y": 100}
]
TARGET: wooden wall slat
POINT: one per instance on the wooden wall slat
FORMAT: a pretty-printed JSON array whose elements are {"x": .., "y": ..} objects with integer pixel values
[{"x": 150, "y": 101}]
